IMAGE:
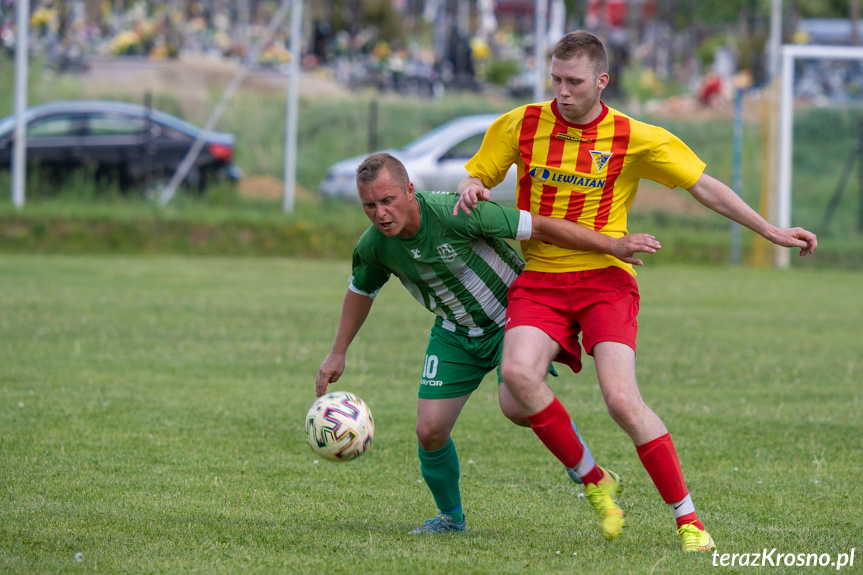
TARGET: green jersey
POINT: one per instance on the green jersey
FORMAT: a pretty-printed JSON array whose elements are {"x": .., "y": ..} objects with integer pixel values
[{"x": 458, "y": 267}]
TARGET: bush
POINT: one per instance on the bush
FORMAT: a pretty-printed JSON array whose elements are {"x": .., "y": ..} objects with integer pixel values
[{"x": 500, "y": 71}]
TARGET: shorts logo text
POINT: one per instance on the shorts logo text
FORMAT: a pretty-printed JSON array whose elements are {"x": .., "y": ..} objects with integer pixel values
[{"x": 430, "y": 371}]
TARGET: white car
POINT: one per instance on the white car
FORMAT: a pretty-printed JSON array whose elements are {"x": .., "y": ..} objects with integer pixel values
[{"x": 434, "y": 161}]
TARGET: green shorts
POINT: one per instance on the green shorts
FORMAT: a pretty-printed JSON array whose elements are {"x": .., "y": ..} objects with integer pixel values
[{"x": 456, "y": 364}]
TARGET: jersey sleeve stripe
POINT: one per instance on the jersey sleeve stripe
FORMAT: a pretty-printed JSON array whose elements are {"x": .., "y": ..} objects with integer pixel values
[
  {"x": 619, "y": 146},
  {"x": 357, "y": 290},
  {"x": 525, "y": 225}
]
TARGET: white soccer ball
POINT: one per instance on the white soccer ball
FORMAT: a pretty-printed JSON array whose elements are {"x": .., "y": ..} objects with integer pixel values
[{"x": 339, "y": 426}]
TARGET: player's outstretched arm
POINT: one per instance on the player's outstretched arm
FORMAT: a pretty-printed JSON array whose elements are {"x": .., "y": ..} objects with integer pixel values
[
  {"x": 571, "y": 235},
  {"x": 471, "y": 190},
  {"x": 722, "y": 199},
  {"x": 355, "y": 310}
]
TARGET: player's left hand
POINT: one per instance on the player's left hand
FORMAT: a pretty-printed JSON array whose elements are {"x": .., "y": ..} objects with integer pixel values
[
  {"x": 624, "y": 247},
  {"x": 797, "y": 238},
  {"x": 470, "y": 197}
]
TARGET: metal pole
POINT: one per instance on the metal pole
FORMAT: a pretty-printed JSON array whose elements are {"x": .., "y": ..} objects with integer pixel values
[
  {"x": 860, "y": 189},
  {"x": 540, "y": 48},
  {"x": 373, "y": 126},
  {"x": 781, "y": 256},
  {"x": 292, "y": 109},
  {"x": 19, "y": 154},
  {"x": 437, "y": 8},
  {"x": 736, "y": 170},
  {"x": 775, "y": 38}
]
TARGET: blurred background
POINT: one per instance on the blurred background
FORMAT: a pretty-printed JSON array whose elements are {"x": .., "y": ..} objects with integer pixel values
[{"x": 379, "y": 74}]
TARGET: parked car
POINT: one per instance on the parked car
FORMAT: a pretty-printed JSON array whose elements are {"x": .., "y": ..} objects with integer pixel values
[
  {"x": 434, "y": 161},
  {"x": 137, "y": 144}
]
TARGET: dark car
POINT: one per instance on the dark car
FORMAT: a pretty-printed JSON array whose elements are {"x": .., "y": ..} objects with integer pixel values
[{"x": 134, "y": 143}]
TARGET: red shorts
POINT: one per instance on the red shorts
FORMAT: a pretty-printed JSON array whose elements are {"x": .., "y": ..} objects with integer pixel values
[{"x": 603, "y": 304}]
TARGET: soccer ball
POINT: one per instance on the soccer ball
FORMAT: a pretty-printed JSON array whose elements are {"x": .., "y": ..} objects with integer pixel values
[{"x": 339, "y": 426}]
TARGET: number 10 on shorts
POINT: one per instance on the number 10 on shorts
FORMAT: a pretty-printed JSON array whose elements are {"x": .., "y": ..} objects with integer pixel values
[{"x": 430, "y": 367}]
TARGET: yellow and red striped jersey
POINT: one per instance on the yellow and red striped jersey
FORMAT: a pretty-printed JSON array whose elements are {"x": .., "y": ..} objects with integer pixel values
[{"x": 584, "y": 173}]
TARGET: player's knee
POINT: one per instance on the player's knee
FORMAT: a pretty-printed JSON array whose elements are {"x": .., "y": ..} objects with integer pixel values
[
  {"x": 516, "y": 375},
  {"x": 623, "y": 409},
  {"x": 514, "y": 414},
  {"x": 510, "y": 408},
  {"x": 430, "y": 437}
]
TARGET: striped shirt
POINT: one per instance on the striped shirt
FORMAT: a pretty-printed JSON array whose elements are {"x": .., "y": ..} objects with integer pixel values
[
  {"x": 456, "y": 267},
  {"x": 584, "y": 173}
]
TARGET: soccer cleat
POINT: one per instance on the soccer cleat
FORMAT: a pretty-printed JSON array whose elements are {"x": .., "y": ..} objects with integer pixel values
[
  {"x": 695, "y": 539},
  {"x": 602, "y": 496},
  {"x": 440, "y": 524}
]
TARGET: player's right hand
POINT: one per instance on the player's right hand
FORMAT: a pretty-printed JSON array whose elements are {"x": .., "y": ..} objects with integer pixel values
[
  {"x": 626, "y": 246},
  {"x": 468, "y": 199},
  {"x": 329, "y": 372}
]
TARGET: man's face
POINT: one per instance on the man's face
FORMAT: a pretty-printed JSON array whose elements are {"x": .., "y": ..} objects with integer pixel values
[
  {"x": 577, "y": 89},
  {"x": 390, "y": 205}
]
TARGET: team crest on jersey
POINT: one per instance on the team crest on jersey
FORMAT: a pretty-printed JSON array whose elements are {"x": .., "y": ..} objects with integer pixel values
[
  {"x": 600, "y": 159},
  {"x": 447, "y": 253},
  {"x": 539, "y": 173}
]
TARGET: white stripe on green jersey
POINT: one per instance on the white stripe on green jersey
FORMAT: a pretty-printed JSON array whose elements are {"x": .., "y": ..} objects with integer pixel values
[{"x": 458, "y": 268}]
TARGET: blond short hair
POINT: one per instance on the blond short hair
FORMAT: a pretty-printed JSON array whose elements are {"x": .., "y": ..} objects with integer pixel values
[
  {"x": 581, "y": 43},
  {"x": 370, "y": 169}
]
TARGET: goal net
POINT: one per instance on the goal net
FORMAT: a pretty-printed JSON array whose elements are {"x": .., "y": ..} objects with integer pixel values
[{"x": 819, "y": 149}]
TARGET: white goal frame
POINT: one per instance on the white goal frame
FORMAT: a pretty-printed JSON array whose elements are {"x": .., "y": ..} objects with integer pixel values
[{"x": 790, "y": 53}]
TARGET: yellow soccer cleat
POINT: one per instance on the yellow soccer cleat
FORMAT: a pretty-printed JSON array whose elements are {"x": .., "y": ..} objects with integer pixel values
[
  {"x": 602, "y": 496},
  {"x": 695, "y": 539}
]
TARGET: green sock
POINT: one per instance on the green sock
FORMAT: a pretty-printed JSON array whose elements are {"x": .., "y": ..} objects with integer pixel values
[{"x": 441, "y": 473}]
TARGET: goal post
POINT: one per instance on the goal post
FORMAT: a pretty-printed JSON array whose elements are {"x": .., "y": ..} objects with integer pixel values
[{"x": 790, "y": 53}]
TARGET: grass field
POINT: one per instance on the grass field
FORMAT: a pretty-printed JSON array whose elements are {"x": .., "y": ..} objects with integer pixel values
[{"x": 151, "y": 419}]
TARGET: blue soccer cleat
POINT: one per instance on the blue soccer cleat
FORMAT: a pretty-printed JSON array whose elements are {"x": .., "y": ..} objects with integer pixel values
[{"x": 440, "y": 524}]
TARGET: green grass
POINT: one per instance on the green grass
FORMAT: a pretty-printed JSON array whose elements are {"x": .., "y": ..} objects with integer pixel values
[
  {"x": 151, "y": 418},
  {"x": 244, "y": 227}
]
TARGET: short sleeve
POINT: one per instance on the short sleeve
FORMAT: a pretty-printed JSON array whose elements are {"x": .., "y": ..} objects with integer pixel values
[
  {"x": 492, "y": 220},
  {"x": 368, "y": 275},
  {"x": 671, "y": 162},
  {"x": 497, "y": 153}
]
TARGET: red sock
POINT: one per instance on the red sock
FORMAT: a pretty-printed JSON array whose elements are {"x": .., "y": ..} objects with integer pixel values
[
  {"x": 592, "y": 476},
  {"x": 554, "y": 428},
  {"x": 660, "y": 460},
  {"x": 689, "y": 518}
]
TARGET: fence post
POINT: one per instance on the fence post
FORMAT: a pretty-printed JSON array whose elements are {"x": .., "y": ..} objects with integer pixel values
[{"x": 373, "y": 126}]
